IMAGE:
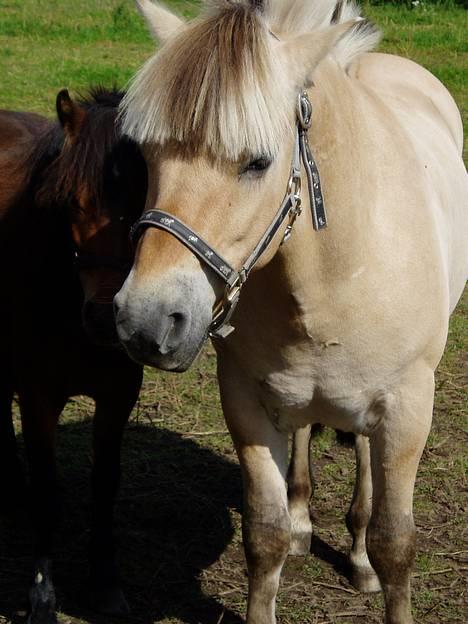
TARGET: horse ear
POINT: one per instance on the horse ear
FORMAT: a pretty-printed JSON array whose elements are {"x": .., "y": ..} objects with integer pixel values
[
  {"x": 161, "y": 22},
  {"x": 303, "y": 53},
  {"x": 70, "y": 115}
]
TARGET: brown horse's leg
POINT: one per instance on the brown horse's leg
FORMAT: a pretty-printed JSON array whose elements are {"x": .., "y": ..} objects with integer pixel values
[
  {"x": 39, "y": 416},
  {"x": 112, "y": 413},
  {"x": 300, "y": 488},
  {"x": 266, "y": 526},
  {"x": 12, "y": 484},
  {"x": 363, "y": 576},
  {"x": 396, "y": 446}
]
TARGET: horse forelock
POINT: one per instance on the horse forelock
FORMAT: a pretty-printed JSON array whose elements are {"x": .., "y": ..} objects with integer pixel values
[
  {"x": 217, "y": 86},
  {"x": 212, "y": 88}
]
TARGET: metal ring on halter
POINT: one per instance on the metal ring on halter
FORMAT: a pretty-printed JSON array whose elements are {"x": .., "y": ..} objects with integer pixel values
[
  {"x": 294, "y": 186},
  {"x": 304, "y": 111}
]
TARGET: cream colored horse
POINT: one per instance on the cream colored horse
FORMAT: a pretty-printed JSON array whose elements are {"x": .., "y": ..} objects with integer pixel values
[{"x": 344, "y": 326}]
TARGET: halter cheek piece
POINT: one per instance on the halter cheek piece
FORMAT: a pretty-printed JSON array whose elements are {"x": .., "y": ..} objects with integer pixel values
[{"x": 290, "y": 208}]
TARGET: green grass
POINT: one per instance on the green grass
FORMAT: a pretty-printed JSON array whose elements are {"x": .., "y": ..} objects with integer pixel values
[
  {"x": 178, "y": 518},
  {"x": 45, "y": 46}
]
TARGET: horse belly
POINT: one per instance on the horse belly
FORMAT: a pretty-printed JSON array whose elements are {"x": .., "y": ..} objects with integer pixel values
[{"x": 293, "y": 399}]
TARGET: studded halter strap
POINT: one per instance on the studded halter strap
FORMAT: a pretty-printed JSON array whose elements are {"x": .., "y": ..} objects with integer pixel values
[{"x": 290, "y": 209}]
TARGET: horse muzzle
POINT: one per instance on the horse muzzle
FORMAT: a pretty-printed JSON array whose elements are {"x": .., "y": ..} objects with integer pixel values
[
  {"x": 99, "y": 323},
  {"x": 164, "y": 326}
]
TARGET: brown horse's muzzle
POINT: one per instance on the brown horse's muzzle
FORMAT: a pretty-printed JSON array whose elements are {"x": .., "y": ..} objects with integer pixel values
[
  {"x": 99, "y": 287},
  {"x": 99, "y": 324}
]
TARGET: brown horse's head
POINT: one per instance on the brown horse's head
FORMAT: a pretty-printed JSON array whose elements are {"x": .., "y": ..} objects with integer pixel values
[{"x": 101, "y": 180}]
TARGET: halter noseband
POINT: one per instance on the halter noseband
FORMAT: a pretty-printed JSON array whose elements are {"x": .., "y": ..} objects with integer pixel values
[{"x": 290, "y": 207}]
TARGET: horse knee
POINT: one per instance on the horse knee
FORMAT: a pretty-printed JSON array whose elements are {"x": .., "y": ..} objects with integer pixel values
[
  {"x": 266, "y": 542},
  {"x": 391, "y": 548}
]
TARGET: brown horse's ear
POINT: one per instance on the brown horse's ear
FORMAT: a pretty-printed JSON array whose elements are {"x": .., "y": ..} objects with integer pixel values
[{"x": 71, "y": 115}]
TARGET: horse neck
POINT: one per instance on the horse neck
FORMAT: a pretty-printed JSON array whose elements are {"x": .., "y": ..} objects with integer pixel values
[
  {"x": 34, "y": 220},
  {"x": 339, "y": 139}
]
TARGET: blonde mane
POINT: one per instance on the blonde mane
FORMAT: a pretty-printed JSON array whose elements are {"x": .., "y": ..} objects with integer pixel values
[{"x": 216, "y": 86}]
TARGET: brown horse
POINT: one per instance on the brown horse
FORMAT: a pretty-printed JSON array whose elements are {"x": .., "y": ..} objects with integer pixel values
[{"x": 68, "y": 194}]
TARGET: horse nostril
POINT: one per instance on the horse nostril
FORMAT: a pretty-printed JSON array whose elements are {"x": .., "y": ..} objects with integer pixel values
[
  {"x": 178, "y": 317},
  {"x": 180, "y": 321},
  {"x": 173, "y": 332}
]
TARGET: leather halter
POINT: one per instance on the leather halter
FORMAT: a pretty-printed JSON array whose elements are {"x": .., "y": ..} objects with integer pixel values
[{"x": 290, "y": 208}]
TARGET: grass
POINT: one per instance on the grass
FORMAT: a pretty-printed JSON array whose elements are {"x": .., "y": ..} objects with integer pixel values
[{"x": 178, "y": 518}]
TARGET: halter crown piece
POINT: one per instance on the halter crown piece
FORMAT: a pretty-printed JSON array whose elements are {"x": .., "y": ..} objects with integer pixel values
[{"x": 220, "y": 326}]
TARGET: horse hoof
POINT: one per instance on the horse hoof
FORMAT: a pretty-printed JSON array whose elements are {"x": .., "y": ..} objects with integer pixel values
[
  {"x": 300, "y": 544},
  {"x": 111, "y": 601},
  {"x": 42, "y": 616},
  {"x": 42, "y": 594},
  {"x": 365, "y": 580}
]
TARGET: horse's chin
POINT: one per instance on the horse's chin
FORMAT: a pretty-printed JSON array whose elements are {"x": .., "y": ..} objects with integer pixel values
[
  {"x": 103, "y": 337},
  {"x": 177, "y": 361}
]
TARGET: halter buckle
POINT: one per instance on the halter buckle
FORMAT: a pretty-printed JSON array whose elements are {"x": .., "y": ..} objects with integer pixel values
[
  {"x": 294, "y": 186},
  {"x": 220, "y": 326},
  {"x": 304, "y": 111},
  {"x": 293, "y": 214}
]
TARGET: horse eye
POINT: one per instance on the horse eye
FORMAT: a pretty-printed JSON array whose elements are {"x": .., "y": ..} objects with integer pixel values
[{"x": 258, "y": 165}]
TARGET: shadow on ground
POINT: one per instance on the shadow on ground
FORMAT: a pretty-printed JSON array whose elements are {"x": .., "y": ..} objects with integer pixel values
[
  {"x": 172, "y": 522},
  {"x": 328, "y": 554}
]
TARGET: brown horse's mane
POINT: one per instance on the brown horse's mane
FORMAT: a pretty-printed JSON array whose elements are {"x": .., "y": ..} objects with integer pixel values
[{"x": 59, "y": 169}]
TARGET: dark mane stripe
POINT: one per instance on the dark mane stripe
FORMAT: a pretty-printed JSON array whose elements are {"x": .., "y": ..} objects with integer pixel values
[{"x": 335, "y": 18}]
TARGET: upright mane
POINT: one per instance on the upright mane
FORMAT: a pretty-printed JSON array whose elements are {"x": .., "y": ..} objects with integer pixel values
[
  {"x": 58, "y": 170},
  {"x": 217, "y": 85}
]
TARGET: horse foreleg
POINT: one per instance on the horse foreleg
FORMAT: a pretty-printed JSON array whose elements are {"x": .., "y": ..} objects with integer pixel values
[
  {"x": 396, "y": 446},
  {"x": 111, "y": 416},
  {"x": 363, "y": 575},
  {"x": 300, "y": 488},
  {"x": 39, "y": 422},
  {"x": 12, "y": 484},
  {"x": 266, "y": 526}
]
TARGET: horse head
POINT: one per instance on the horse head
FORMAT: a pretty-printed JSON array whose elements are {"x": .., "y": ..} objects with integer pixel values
[
  {"x": 215, "y": 112},
  {"x": 102, "y": 181}
]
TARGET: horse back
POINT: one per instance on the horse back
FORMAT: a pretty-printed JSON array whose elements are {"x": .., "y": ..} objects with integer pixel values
[
  {"x": 18, "y": 134},
  {"x": 397, "y": 78},
  {"x": 432, "y": 121}
]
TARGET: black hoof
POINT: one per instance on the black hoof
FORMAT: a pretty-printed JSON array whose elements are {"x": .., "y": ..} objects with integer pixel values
[
  {"x": 42, "y": 595},
  {"x": 110, "y": 601},
  {"x": 42, "y": 615}
]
